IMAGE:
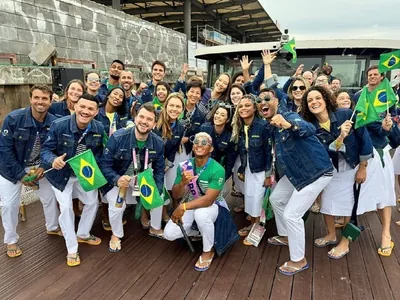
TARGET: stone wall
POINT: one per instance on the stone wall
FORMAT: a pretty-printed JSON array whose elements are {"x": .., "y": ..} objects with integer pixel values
[{"x": 85, "y": 30}]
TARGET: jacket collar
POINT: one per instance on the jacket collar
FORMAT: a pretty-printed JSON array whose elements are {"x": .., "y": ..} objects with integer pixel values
[
  {"x": 149, "y": 144},
  {"x": 29, "y": 122},
  {"x": 74, "y": 127}
]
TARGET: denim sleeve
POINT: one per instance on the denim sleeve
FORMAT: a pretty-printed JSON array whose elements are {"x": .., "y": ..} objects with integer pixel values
[
  {"x": 49, "y": 147},
  {"x": 267, "y": 151},
  {"x": 248, "y": 87},
  {"x": 230, "y": 159},
  {"x": 287, "y": 84},
  {"x": 258, "y": 80},
  {"x": 107, "y": 160},
  {"x": 180, "y": 86},
  {"x": 172, "y": 150},
  {"x": 158, "y": 171},
  {"x": 7, "y": 151},
  {"x": 300, "y": 127},
  {"x": 365, "y": 142}
]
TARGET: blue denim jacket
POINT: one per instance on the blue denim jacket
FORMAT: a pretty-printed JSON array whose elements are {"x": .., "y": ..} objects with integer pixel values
[
  {"x": 259, "y": 153},
  {"x": 148, "y": 94},
  {"x": 225, "y": 152},
  {"x": 63, "y": 138},
  {"x": 172, "y": 145},
  {"x": 117, "y": 157},
  {"x": 120, "y": 121},
  {"x": 103, "y": 91},
  {"x": 357, "y": 145},
  {"x": 378, "y": 135},
  {"x": 299, "y": 153},
  {"x": 16, "y": 142},
  {"x": 226, "y": 233},
  {"x": 59, "y": 109},
  {"x": 192, "y": 128}
]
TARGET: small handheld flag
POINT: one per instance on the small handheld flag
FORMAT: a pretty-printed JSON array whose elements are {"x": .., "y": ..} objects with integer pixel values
[
  {"x": 389, "y": 61},
  {"x": 383, "y": 96},
  {"x": 87, "y": 171},
  {"x": 367, "y": 113},
  {"x": 291, "y": 48},
  {"x": 149, "y": 195}
]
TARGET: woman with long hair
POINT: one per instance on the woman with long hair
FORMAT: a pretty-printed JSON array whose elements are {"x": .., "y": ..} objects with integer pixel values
[
  {"x": 162, "y": 91},
  {"x": 73, "y": 91},
  {"x": 342, "y": 99},
  {"x": 296, "y": 91},
  {"x": 236, "y": 93}
]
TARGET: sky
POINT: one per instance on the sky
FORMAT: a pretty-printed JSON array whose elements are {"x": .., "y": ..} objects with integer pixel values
[{"x": 341, "y": 19}]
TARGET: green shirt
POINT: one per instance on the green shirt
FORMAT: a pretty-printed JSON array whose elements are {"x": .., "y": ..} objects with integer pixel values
[
  {"x": 140, "y": 144},
  {"x": 212, "y": 177}
]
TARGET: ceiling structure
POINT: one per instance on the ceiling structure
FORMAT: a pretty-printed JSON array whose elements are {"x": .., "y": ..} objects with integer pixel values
[{"x": 236, "y": 18}]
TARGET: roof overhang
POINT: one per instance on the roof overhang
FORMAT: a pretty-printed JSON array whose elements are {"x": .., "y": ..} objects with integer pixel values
[{"x": 238, "y": 17}]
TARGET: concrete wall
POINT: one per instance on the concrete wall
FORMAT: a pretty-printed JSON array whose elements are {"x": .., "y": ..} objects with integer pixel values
[{"x": 82, "y": 29}]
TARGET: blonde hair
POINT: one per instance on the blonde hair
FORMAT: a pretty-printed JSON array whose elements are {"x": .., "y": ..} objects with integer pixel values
[
  {"x": 298, "y": 78},
  {"x": 237, "y": 122},
  {"x": 163, "y": 123}
]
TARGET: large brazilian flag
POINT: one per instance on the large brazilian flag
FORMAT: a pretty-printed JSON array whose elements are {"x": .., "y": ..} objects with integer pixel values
[{"x": 87, "y": 171}]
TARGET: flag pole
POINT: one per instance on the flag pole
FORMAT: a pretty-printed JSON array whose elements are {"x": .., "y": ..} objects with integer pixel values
[
  {"x": 51, "y": 169},
  {"x": 351, "y": 118}
]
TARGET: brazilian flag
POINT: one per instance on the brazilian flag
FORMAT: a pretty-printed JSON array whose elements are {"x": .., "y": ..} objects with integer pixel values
[
  {"x": 383, "y": 96},
  {"x": 389, "y": 61},
  {"x": 291, "y": 48},
  {"x": 149, "y": 195},
  {"x": 158, "y": 106},
  {"x": 87, "y": 171},
  {"x": 366, "y": 111}
]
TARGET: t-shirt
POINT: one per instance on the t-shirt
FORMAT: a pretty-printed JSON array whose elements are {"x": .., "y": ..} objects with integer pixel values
[
  {"x": 212, "y": 177},
  {"x": 113, "y": 125},
  {"x": 326, "y": 125},
  {"x": 140, "y": 144},
  {"x": 246, "y": 135}
]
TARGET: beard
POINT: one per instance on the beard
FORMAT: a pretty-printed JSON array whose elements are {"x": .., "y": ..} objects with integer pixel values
[
  {"x": 115, "y": 77},
  {"x": 143, "y": 131}
]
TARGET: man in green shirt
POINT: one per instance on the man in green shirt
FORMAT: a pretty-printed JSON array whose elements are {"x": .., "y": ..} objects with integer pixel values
[{"x": 201, "y": 190}]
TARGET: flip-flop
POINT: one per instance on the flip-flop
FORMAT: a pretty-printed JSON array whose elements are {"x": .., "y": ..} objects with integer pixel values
[
  {"x": 73, "y": 261},
  {"x": 55, "y": 232},
  {"x": 91, "y": 240},
  {"x": 157, "y": 235},
  {"x": 16, "y": 249},
  {"x": 332, "y": 256},
  {"x": 244, "y": 231},
  {"x": 321, "y": 242},
  {"x": 201, "y": 261},
  {"x": 295, "y": 269},
  {"x": 390, "y": 248},
  {"x": 114, "y": 246},
  {"x": 145, "y": 225},
  {"x": 275, "y": 240}
]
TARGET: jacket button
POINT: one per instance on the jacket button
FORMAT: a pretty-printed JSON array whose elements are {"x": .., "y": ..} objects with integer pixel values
[
  {"x": 65, "y": 178},
  {"x": 65, "y": 143}
]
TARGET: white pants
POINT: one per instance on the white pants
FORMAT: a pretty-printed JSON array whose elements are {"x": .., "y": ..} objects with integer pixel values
[
  {"x": 115, "y": 213},
  {"x": 10, "y": 195},
  {"x": 67, "y": 216},
  {"x": 289, "y": 207},
  {"x": 204, "y": 217}
]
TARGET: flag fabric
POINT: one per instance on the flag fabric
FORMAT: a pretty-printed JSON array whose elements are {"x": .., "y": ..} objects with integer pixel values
[
  {"x": 383, "y": 96},
  {"x": 87, "y": 171},
  {"x": 389, "y": 61},
  {"x": 149, "y": 195},
  {"x": 291, "y": 48},
  {"x": 367, "y": 113},
  {"x": 166, "y": 195},
  {"x": 157, "y": 104}
]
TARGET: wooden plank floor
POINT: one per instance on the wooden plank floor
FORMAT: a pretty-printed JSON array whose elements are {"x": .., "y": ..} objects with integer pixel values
[{"x": 149, "y": 268}]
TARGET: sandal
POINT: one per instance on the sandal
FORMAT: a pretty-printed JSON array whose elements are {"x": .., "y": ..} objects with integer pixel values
[
  {"x": 13, "y": 251},
  {"x": 247, "y": 243},
  {"x": 339, "y": 223},
  {"x": 331, "y": 254},
  {"x": 73, "y": 260},
  {"x": 386, "y": 251},
  {"x": 200, "y": 261},
  {"x": 321, "y": 242},
  {"x": 106, "y": 225},
  {"x": 245, "y": 231},
  {"x": 114, "y": 246},
  {"x": 91, "y": 240},
  {"x": 55, "y": 232},
  {"x": 295, "y": 269},
  {"x": 145, "y": 225},
  {"x": 156, "y": 234},
  {"x": 276, "y": 241}
]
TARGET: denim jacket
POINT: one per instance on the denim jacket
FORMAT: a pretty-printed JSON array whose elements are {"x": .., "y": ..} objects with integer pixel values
[
  {"x": 16, "y": 142},
  {"x": 172, "y": 144},
  {"x": 148, "y": 94},
  {"x": 299, "y": 153},
  {"x": 226, "y": 233},
  {"x": 357, "y": 145},
  {"x": 117, "y": 157},
  {"x": 59, "y": 109},
  {"x": 225, "y": 152},
  {"x": 192, "y": 128},
  {"x": 259, "y": 153},
  {"x": 378, "y": 135},
  {"x": 63, "y": 138},
  {"x": 103, "y": 91},
  {"x": 120, "y": 121}
]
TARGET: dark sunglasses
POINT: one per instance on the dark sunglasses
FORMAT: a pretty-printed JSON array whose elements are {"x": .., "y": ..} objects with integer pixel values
[
  {"x": 261, "y": 99},
  {"x": 201, "y": 142},
  {"x": 225, "y": 105},
  {"x": 301, "y": 88}
]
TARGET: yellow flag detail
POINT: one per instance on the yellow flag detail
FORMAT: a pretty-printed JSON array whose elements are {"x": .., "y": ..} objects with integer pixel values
[{"x": 86, "y": 171}]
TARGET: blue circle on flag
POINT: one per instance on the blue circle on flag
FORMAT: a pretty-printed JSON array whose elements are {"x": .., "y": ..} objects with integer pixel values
[
  {"x": 145, "y": 190},
  {"x": 382, "y": 97},
  {"x": 87, "y": 171},
  {"x": 392, "y": 61}
]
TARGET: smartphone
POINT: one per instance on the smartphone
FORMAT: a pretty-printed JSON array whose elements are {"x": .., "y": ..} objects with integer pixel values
[{"x": 314, "y": 67}]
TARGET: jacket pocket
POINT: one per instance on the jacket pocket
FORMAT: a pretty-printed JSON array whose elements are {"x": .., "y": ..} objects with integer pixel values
[{"x": 21, "y": 135}]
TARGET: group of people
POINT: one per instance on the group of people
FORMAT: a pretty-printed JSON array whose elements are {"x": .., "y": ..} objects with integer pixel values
[{"x": 300, "y": 140}]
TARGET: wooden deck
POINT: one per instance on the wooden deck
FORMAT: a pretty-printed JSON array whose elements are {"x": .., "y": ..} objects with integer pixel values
[{"x": 149, "y": 268}]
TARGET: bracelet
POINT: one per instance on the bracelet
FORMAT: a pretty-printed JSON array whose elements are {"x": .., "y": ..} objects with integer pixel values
[{"x": 184, "y": 206}]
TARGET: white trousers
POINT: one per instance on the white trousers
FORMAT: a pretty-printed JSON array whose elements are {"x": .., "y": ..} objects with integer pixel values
[
  {"x": 10, "y": 195},
  {"x": 67, "y": 216},
  {"x": 289, "y": 207},
  {"x": 204, "y": 217},
  {"x": 115, "y": 213}
]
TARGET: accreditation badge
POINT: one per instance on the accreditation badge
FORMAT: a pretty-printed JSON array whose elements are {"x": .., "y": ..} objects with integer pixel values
[
  {"x": 256, "y": 234},
  {"x": 135, "y": 186}
]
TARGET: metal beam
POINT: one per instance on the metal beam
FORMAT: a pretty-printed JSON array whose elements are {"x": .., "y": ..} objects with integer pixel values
[
  {"x": 179, "y": 17},
  {"x": 227, "y": 4},
  {"x": 248, "y": 20},
  {"x": 158, "y": 9},
  {"x": 241, "y": 13},
  {"x": 187, "y": 20}
]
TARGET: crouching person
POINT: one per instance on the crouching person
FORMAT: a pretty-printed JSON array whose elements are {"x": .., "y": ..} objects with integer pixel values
[
  {"x": 209, "y": 179},
  {"x": 128, "y": 152}
]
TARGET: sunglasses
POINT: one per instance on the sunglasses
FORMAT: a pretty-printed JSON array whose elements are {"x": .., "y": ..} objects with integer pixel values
[
  {"x": 301, "y": 88},
  {"x": 261, "y": 99},
  {"x": 93, "y": 79},
  {"x": 201, "y": 142},
  {"x": 225, "y": 105}
]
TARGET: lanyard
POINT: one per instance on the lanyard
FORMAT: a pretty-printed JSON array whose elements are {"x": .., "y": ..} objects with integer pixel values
[
  {"x": 146, "y": 159},
  {"x": 202, "y": 169},
  {"x": 84, "y": 133}
]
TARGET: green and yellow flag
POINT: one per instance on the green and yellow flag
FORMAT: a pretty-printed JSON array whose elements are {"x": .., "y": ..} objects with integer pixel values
[
  {"x": 87, "y": 171},
  {"x": 389, "y": 61},
  {"x": 383, "y": 96},
  {"x": 158, "y": 106},
  {"x": 149, "y": 195},
  {"x": 291, "y": 48},
  {"x": 367, "y": 113}
]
